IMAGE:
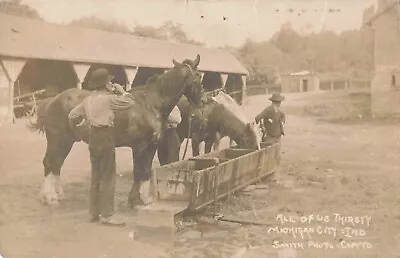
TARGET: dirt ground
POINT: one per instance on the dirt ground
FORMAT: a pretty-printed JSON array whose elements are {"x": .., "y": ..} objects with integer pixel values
[{"x": 349, "y": 168}]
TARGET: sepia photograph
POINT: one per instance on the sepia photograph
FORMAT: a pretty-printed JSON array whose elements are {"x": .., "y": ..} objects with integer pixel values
[{"x": 199, "y": 128}]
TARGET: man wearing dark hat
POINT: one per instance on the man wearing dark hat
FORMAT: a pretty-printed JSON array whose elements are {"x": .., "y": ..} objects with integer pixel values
[
  {"x": 98, "y": 109},
  {"x": 272, "y": 120}
]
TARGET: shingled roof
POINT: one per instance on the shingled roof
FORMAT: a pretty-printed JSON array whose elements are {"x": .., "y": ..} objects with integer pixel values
[{"x": 27, "y": 38}]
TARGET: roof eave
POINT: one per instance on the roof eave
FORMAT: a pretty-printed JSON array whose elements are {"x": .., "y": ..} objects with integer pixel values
[{"x": 110, "y": 62}]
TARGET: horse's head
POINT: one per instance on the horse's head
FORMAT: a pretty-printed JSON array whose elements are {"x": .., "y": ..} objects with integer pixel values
[
  {"x": 252, "y": 136},
  {"x": 200, "y": 116},
  {"x": 194, "y": 90}
]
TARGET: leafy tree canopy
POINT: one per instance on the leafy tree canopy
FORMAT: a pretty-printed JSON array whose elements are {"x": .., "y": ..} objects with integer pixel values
[{"x": 14, "y": 7}]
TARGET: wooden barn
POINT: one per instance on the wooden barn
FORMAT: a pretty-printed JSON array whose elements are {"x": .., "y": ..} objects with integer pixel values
[
  {"x": 383, "y": 22},
  {"x": 38, "y": 60}
]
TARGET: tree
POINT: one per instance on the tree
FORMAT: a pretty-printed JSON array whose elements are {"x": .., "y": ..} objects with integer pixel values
[
  {"x": 97, "y": 23},
  {"x": 263, "y": 61},
  {"x": 168, "y": 31},
  {"x": 14, "y": 7},
  {"x": 149, "y": 32},
  {"x": 349, "y": 53}
]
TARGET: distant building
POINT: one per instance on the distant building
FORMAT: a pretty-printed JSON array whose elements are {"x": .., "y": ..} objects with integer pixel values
[
  {"x": 339, "y": 81},
  {"x": 383, "y": 22},
  {"x": 299, "y": 82}
]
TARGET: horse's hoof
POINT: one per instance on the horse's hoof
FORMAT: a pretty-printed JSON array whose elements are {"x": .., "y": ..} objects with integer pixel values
[
  {"x": 43, "y": 199},
  {"x": 61, "y": 196},
  {"x": 134, "y": 195},
  {"x": 49, "y": 201},
  {"x": 53, "y": 203},
  {"x": 134, "y": 200}
]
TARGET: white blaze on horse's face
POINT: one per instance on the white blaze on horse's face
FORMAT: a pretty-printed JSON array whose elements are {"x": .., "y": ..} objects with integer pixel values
[{"x": 258, "y": 133}]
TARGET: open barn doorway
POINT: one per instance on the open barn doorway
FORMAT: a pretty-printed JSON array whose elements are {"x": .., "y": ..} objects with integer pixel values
[
  {"x": 144, "y": 74},
  {"x": 117, "y": 71},
  {"x": 212, "y": 81},
  {"x": 234, "y": 87},
  {"x": 49, "y": 75},
  {"x": 41, "y": 79}
]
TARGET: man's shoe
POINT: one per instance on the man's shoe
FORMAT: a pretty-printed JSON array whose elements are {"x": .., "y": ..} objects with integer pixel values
[{"x": 111, "y": 221}]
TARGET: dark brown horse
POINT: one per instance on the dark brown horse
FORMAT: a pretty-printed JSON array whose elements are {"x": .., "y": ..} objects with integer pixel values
[
  {"x": 138, "y": 127},
  {"x": 212, "y": 122}
]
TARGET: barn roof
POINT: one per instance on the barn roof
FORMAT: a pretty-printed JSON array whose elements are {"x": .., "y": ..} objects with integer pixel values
[{"x": 27, "y": 38}]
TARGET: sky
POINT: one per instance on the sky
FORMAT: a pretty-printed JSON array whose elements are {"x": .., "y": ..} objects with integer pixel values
[{"x": 203, "y": 20}]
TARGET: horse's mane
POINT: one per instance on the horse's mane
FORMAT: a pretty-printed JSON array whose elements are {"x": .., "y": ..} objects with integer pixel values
[
  {"x": 152, "y": 79},
  {"x": 188, "y": 62},
  {"x": 227, "y": 118},
  {"x": 229, "y": 103},
  {"x": 168, "y": 80}
]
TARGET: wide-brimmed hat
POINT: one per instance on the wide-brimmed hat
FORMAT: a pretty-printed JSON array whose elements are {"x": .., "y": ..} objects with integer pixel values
[
  {"x": 99, "y": 78},
  {"x": 277, "y": 97}
]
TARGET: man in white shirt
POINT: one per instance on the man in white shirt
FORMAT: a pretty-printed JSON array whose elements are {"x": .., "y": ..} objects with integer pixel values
[{"x": 169, "y": 145}]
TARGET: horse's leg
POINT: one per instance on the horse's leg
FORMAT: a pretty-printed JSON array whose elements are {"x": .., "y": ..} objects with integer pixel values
[
  {"x": 143, "y": 160},
  {"x": 63, "y": 150},
  {"x": 48, "y": 194},
  {"x": 56, "y": 152},
  {"x": 134, "y": 194},
  {"x": 208, "y": 145},
  {"x": 162, "y": 149},
  {"x": 217, "y": 141},
  {"x": 195, "y": 145}
]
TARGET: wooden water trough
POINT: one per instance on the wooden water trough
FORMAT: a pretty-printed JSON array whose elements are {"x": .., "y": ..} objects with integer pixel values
[
  {"x": 190, "y": 185},
  {"x": 202, "y": 180}
]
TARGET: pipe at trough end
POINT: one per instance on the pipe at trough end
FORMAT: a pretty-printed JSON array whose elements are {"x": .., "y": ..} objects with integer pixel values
[
  {"x": 245, "y": 222},
  {"x": 214, "y": 219}
]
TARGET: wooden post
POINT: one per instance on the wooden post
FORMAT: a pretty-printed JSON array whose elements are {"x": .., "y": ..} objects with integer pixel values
[
  {"x": 244, "y": 88},
  {"x": 300, "y": 84},
  {"x": 130, "y": 75},
  {"x": 12, "y": 67},
  {"x": 224, "y": 78},
  {"x": 10, "y": 115},
  {"x": 154, "y": 186},
  {"x": 81, "y": 71},
  {"x": 79, "y": 85}
]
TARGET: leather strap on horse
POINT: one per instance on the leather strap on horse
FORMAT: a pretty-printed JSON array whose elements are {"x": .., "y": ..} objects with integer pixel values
[{"x": 189, "y": 132}]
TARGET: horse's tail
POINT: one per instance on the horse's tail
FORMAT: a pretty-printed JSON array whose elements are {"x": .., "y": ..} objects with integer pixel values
[
  {"x": 35, "y": 126},
  {"x": 38, "y": 125}
]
